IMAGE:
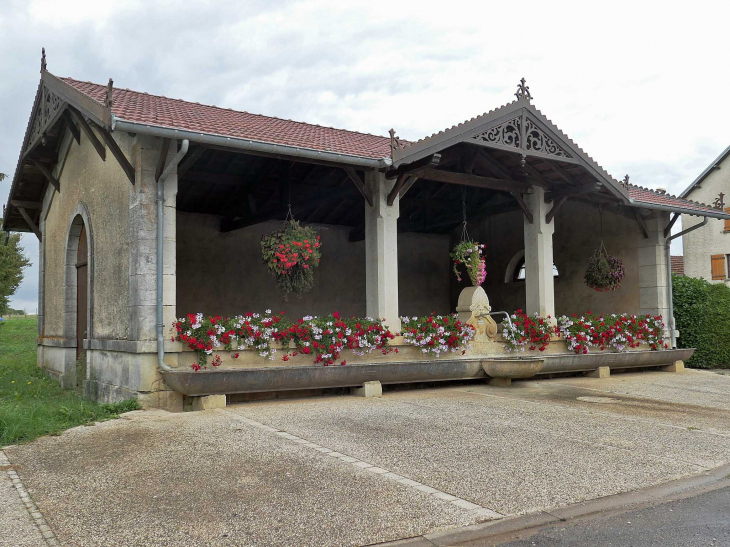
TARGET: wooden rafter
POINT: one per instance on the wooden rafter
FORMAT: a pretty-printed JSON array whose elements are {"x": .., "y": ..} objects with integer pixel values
[
  {"x": 407, "y": 186},
  {"x": 668, "y": 229},
  {"x": 554, "y": 209},
  {"x": 359, "y": 184},
  {"x": 47, "y": 174},
  {"x": 474, "y": 180},
  {"x": 89, "y": 132},
  {"x": 494, "y": 166},
  {"x": 190, "y": 160},
  {"x": 33, "y": 226},
  {"x": 118, "y": 154},
  {"x": 72, "y": 126},
  {"x": 573, "y": 191},
  {"x": 429, "y": 161},
  {"x": 162, "y": 159},
  {"x": 642, "y": 224},
  {"x": 525, "y": 209},
  {"x": 25, "y": 204},
  {"x": 397, "y": 187}
]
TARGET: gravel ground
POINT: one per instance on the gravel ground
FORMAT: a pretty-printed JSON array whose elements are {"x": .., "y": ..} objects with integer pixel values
[{"x": 233, "y": 477}]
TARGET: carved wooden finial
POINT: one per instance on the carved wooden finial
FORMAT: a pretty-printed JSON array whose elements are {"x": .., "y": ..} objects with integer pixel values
[
  {"x": 394, "y": 141},
  {"x": 43, "y": 60},
  {"x": 523, "y": 91},
  {"x": 109, "y": 89},
  {"x": 625, "y": 182},
  {"x": 719, "y": 202}
]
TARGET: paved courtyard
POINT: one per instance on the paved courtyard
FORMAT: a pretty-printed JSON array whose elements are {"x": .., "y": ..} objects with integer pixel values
[{"x": 332, "y": 471}]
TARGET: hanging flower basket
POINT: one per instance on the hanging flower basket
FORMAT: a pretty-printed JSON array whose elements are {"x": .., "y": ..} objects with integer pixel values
[
  {"x": 470, "y": 255},
  {"x": 291, "y": 254},
  {"x": 604, "y": 272}
]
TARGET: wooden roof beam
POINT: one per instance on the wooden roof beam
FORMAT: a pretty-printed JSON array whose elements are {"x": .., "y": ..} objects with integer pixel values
[
  {"x": 72, "y": 126},
  {"x": 47, "y": 174},
  {"x": 118, "y": 154},
  {"x": 464, "y": 179},
  {"x": 33, "y": 226},
  {"x": 429, "y": 161},
  {"x": 86, "y": 128},
  {"x": 360, "y": 185}
]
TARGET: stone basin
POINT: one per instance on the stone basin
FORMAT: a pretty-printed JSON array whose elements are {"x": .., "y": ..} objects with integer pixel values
[{"x": 516, "y": 367}]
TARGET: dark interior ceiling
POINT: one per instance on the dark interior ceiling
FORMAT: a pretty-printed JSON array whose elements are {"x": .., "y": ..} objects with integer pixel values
[{"x": 245, "y": 189}]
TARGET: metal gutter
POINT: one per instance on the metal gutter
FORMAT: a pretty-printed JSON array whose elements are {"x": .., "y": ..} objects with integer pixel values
[
  {"x": 160, "y": 244},
  {"x": 680, "y": 210},
  {"x": 670, "y": 296},
  {"x": 118, "y": 124}
]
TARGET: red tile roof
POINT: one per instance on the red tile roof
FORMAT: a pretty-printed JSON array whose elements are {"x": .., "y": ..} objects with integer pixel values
[
  {"x": 678, "y": 265},
  {"x": 646, "y": 195},
  {"x": 135, "y": 106}
]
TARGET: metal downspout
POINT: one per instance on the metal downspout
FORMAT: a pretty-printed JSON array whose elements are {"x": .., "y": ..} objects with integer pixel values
[
  {"x": 160, "y": 241},
  {"x": 670, "y": 297}
]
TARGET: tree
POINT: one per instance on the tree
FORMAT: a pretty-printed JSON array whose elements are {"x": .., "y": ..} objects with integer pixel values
[
  {"x": 2, "y": 176},
  {"x": 12, "y": 263}
]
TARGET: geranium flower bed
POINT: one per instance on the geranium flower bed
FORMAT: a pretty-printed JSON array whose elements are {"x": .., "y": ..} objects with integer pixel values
[
  {"x": 533, "y": 332},
  {"x": 619, "y": 332},
  {"x": 321, "y": 337},
  {"x": 437, "y": 334}
]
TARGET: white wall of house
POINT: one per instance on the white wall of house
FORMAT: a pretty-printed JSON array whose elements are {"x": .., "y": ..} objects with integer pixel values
[{"x": 712, "y": 239}]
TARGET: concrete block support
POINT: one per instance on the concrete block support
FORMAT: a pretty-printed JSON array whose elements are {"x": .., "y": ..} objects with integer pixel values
[
  {"x": 600, "y": 372},
  {"x": 539, "y": 286},
  {"x": 381, "y": 252},
  {"x": 369, "y": 390},
  {"x": 209, "y": 402},
  {"x": 677, "y": 366},
  {"x": 500, "y": 382}
]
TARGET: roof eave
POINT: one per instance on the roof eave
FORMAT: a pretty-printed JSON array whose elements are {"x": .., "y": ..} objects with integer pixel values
[
  {"x": 687, "y": 191},
  {"x": 680, "y": 210},
  {"x": 119, "y": 124}
]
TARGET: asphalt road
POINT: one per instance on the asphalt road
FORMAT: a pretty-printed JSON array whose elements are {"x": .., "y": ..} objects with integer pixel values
[{"x": 699, "y": 521}]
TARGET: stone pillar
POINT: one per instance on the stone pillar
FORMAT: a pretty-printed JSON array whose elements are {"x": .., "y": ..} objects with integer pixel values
[
  {"x": 653, "y": 282},
  {"x": 539, "y": 286},
  {"x": 381, "y": 252},
  {"x": 143, "y": 241}
]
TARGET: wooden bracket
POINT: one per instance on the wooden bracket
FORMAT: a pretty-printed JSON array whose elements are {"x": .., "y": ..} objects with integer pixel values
[
  {"x": 162, "y": 159},
  {"x": 364, "y": 190},
  {"x": 642, "y": 224},
  {"x": 118, "y": 154},
  {"x": 554, "y": 209},
  {"x": 524, "y": 207},
  {"x": 46, "y": 173},
  {"x": 668, "y": 229},
  {"x": 407, "y": 186},
  {"x": 429, "y": 161},
  {"x": 72, "y": 126},
  {"x": 189, "y": 160},
  {"x": 399, "y": 183},
  {"x": 30, "y": 222},
  {"x": 86, "y": 128}
]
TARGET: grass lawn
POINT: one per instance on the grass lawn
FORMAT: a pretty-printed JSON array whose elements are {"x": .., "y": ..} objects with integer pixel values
[{"x": 32, "y": 404}]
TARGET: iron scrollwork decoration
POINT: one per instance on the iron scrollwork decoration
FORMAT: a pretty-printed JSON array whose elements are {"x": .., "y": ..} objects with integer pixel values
[
  {"x": 719, "y": 202},
  {"x": 49, "y": 106},
  {"x": 625, "y": 182},
  {"x": 505, "y": 134},
  {"x": 523, "y": 91},
  {"x": 537, "y": 141}
]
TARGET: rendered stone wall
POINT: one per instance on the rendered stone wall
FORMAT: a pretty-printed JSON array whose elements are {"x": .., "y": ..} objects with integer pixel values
[
  {"x": 711, "y": 239},
  {"x": 104, "y": 189},
  {"x": 223, "y": 273}
]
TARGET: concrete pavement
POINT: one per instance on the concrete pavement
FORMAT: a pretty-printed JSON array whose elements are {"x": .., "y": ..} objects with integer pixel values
[{"x": 353, "y": 471}]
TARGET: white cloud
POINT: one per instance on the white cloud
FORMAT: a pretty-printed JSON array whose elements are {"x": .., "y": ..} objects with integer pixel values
[{"x": 639, "y": 85}]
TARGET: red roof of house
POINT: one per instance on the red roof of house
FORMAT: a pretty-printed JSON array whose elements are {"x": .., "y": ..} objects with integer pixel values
[
  {"x": 646, "y": 195},
  {"x": 678, "y": 265},
  {"x": 135, "y": 106}
]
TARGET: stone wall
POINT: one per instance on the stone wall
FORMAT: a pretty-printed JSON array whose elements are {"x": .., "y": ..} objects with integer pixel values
[{"x": 222, "y": 273}]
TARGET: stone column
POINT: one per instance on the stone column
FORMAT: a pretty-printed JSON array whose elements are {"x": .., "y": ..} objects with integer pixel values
[
  {"x": 653, "y": 282},
  {"x": 143, "y": 241},
  {"x": 381, "y": 252},
  {"x": 539, "y": 287}
]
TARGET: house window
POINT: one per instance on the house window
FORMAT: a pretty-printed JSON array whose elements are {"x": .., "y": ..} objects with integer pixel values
[
  {"x": 718, "y": 266},
  {"x": 520, "y": 270}
]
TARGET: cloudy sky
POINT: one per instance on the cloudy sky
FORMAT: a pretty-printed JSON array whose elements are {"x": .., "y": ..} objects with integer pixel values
[{"x": 641, "y": 86}]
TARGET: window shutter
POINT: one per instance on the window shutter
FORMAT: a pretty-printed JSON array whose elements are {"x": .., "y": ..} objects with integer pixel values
[
  {"x": 718, "y": 267},
  {"x": 727, "y": 222}
]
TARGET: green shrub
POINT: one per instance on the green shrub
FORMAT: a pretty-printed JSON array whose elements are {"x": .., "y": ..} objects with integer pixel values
[{"x": 702, "y": 314}]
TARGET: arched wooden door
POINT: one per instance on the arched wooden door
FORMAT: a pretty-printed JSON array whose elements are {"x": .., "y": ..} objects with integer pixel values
[{"x": 82, "y": 293}]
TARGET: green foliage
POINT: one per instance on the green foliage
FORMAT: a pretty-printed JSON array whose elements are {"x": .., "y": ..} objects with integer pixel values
[
  {"x": 12, "y": 263},
  {"x": 291, "y": 254},
  {"x": 702, "y": 314},
  {"x": 470, "y": 254},
  {"x": 604, "y": 272},
  {"x": 31, "y": 404}
]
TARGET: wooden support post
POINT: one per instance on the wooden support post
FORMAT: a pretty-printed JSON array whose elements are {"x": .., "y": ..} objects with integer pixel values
[
  {"x": 118, "y": 154},
  {"x": 30, "y": 222},
  {"x": 89, "y": 132},
  {"x": 554, "y": 209},
  {"x": 46, "y": 173},
  {"x": 355, "y": 178},
  {"x": 72, "y": 126}
]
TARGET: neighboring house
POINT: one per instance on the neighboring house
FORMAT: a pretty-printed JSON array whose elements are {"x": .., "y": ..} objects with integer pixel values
[
  {"x": 707, "y": 249},
  {"x": 149, "y": 208}
]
